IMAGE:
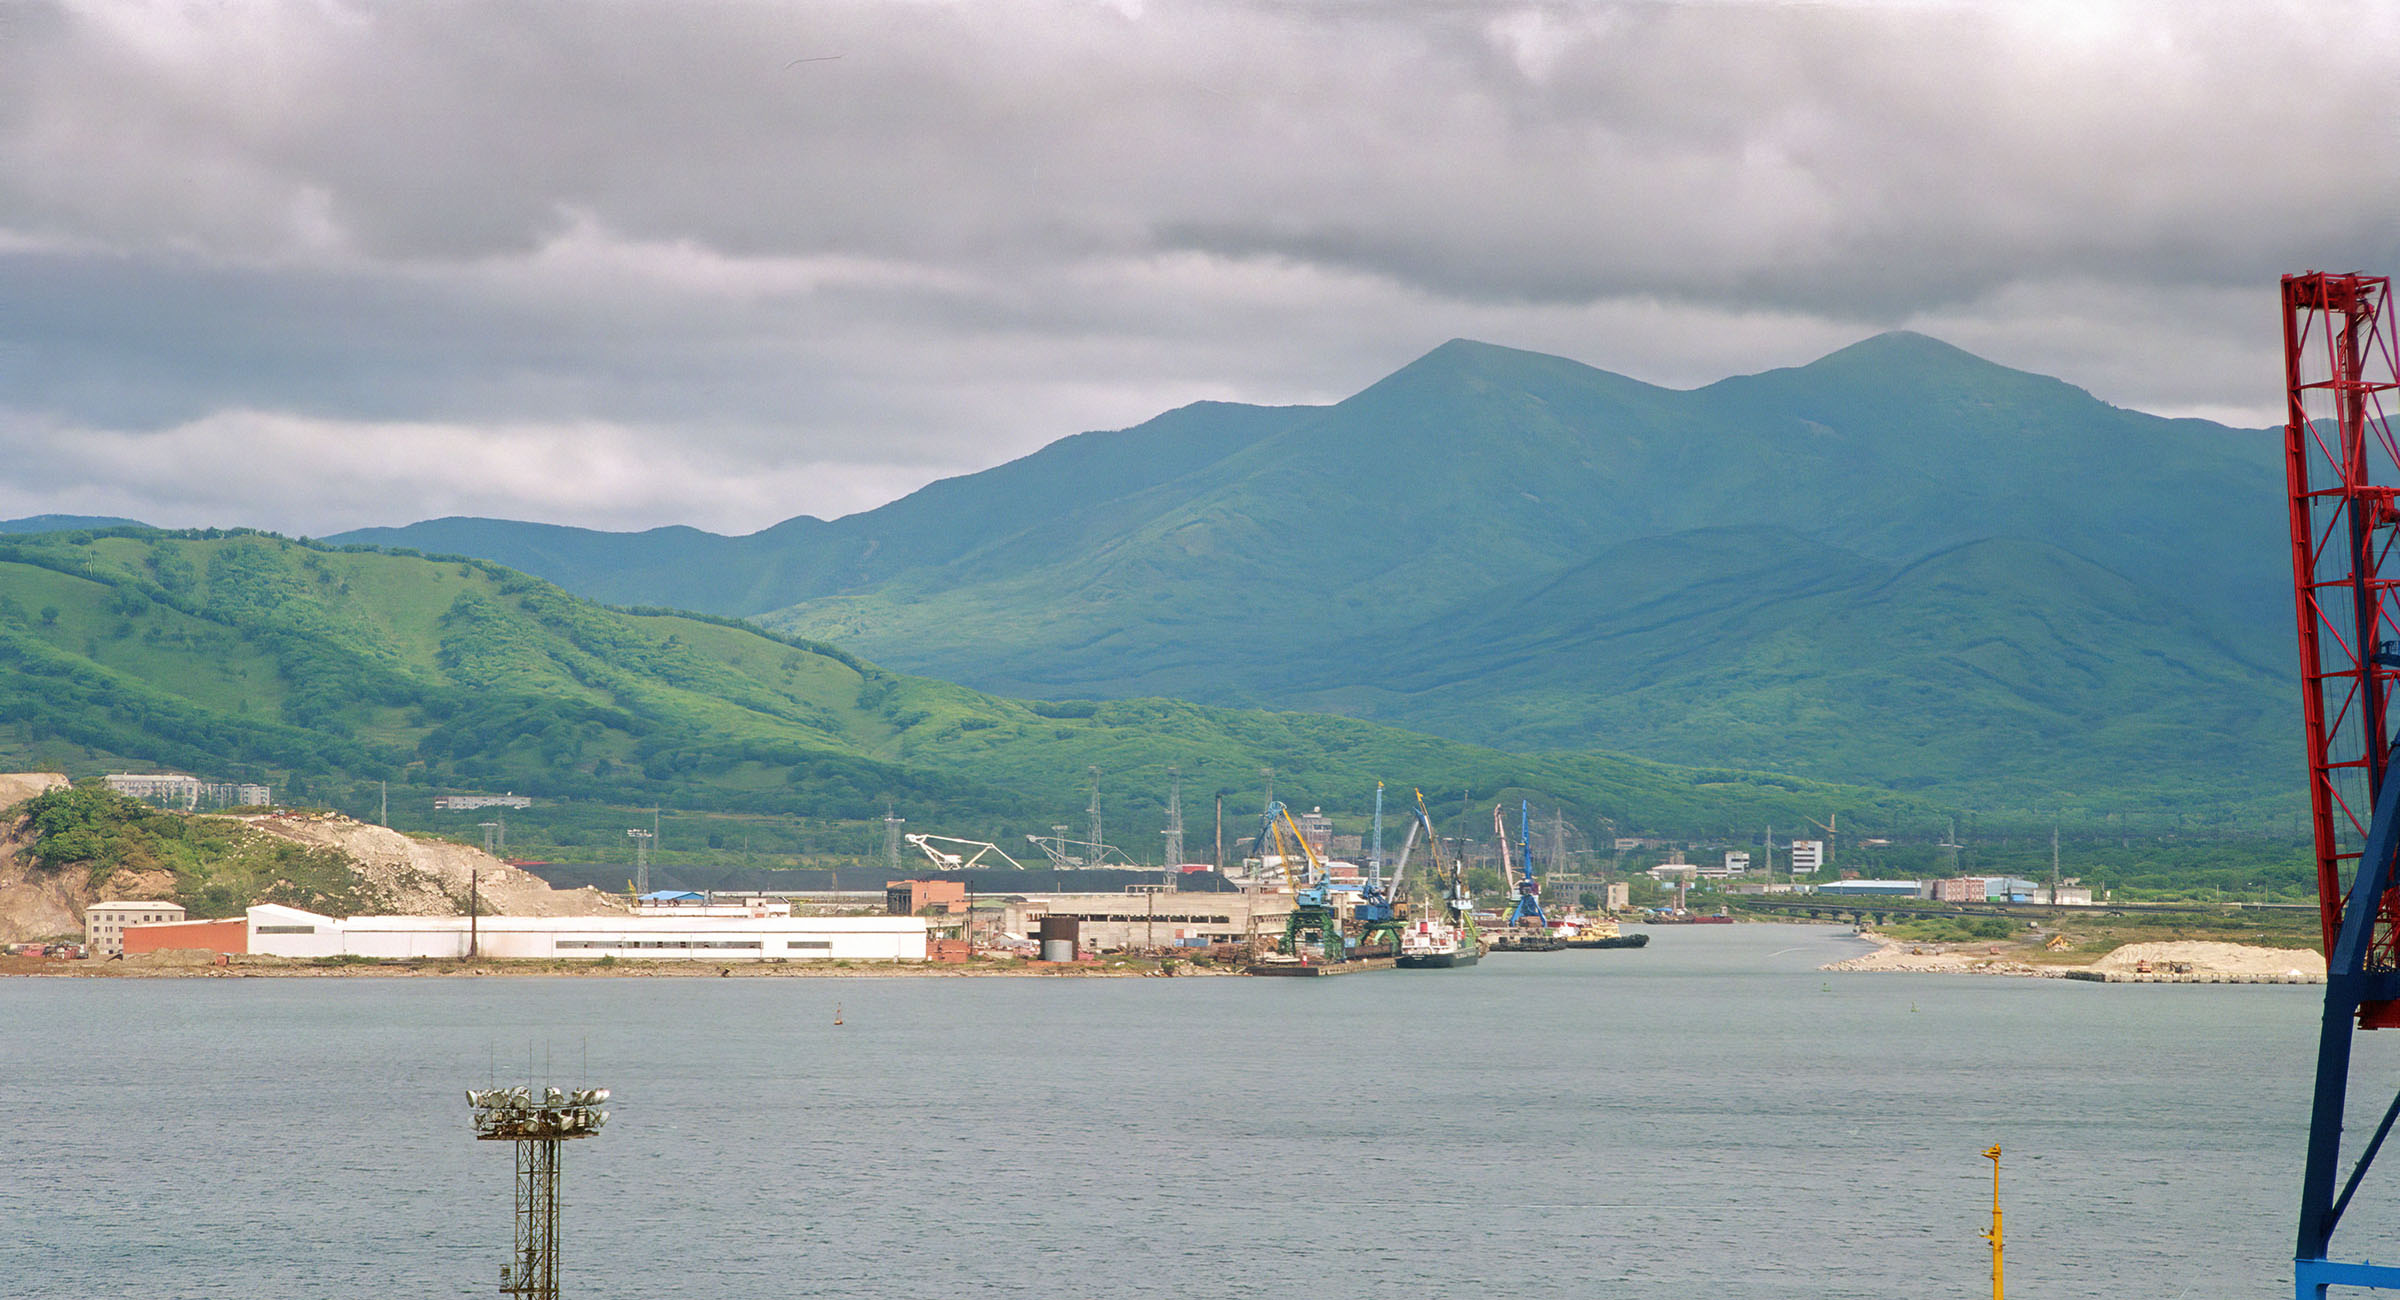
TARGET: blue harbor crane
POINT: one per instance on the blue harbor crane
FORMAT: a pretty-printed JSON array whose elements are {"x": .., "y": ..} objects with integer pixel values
[
  {"x": 1375, "y": 905},
  {"x": 1315, "y": 920},
  {"x": 1528, "y": 908}
]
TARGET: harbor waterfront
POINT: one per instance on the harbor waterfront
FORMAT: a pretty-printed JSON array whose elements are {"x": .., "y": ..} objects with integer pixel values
[{"x": 1711, "y": 1116}]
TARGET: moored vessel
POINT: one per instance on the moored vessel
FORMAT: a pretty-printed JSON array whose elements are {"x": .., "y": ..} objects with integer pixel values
[
  {"x": 1435, "y": 944},
  {"x": 1603, "y": 933}
]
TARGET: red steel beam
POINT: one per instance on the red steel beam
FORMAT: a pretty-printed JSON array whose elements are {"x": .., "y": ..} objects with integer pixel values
[{"x": 2343, "y": 473}]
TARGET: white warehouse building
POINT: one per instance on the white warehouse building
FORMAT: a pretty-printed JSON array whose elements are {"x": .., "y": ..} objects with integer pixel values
[{"x": 278, "y": 931}]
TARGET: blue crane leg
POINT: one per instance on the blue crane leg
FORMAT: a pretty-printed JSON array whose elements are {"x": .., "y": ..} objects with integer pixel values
[{"x": 2348, "y": 983}]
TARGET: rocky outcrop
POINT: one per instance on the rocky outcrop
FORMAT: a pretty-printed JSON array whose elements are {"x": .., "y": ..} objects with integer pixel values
[
  {"x": 430, "y": 877},
  {"x": 17, "y": 787}
]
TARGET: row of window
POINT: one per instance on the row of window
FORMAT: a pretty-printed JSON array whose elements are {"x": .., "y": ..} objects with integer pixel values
[
  {"x": 658, "y": 943},
  {"x": 685, "y": 945},
  {"x": 1145, "y": 916}
]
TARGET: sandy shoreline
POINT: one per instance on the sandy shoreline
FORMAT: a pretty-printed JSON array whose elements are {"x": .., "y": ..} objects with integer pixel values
[{"x": 2195, "y": 959}]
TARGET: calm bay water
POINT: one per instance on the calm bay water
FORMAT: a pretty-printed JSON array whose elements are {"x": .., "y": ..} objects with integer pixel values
[{"x": 1709, "y": 1116}]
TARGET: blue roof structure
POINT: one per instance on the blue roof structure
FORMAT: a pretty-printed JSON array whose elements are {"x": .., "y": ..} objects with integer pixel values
[{"x": 674, "y": 896}]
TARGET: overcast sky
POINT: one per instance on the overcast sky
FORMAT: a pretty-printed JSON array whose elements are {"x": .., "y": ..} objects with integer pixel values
[{"x": 312, "y": 266}]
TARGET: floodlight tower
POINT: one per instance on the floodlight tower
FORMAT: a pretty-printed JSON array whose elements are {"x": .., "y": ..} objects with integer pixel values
[
  {"x": 536, "y": 1126},
  {"x": 2341, "y": 370},
  {"x": 641, "y": 859},
  {"x": 1174, "y": 831}
]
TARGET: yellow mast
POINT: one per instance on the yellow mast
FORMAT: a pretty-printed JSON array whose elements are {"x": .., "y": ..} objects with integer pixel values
[{"x": 1999, "y": 1291}]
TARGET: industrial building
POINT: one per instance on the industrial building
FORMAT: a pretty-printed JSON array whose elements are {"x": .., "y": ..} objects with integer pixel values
[
  {"x": 469, "y": 802},
  {"x": 273, "y": 930},
  {"x": 686, "y": 902},
  {"x": 1152, "y": 916},
  {"x": 104, "y": 923},
  {"x": 918, "y": 897},
  {"x": 1990, "y": 889},
  {"x": 229, "y": 935}
]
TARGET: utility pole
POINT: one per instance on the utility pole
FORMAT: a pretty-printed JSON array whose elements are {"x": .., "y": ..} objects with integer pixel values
[
  {"x": 474, "y": 910},
  {"x": 384, "y": 817},
  {"x": 1220, "y": 832},
  {"x": 1099, "y": 851},
  {"x": 892, "y": 822},
  {"x": 2054, "y": 862}
]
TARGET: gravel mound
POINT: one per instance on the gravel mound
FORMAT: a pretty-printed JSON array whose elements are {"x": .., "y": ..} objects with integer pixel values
[
  {"x": 2216, "y": 959},
  {"x": 17, "y": 787},
  {"x": 429, "y": 877}
]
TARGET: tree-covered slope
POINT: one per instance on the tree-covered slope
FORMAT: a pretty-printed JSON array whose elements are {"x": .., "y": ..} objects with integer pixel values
[
  {"x": 1759, "y": 648},
  {"x": 242, "y": 655},
  {"x": 1499, "y": 545},
  {"x": 1022, "y": 503}
]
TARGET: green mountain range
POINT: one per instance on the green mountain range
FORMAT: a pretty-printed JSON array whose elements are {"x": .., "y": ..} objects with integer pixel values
[
  {"x": 241, "y": 656},
  {"x": 1900, "y": 565}
]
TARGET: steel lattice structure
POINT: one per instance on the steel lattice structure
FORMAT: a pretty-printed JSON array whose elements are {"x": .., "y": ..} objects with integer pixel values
[
  {"x": 2341, "y": 369},
  {"x": 532, "y": 1270},
  {"x": 536, "y": 1126},
  {"x": 2343, "y": 471}
]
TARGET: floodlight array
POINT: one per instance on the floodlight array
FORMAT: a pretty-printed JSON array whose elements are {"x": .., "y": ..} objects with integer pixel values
[{"x": 515, "y": 1114}]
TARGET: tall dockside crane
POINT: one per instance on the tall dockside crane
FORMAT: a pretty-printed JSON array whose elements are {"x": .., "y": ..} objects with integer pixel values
[
  {"x": 1528, "y": 907},
  {"x": 2341, "y": 370},
  {"x": 1460, "y": 900}
]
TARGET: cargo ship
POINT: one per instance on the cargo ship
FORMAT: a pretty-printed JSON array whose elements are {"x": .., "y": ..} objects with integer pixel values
[{"x": 1435, "y": 944}]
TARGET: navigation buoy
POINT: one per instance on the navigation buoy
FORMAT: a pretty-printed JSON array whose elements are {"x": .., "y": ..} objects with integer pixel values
[{"x": 837, "y": 1013}]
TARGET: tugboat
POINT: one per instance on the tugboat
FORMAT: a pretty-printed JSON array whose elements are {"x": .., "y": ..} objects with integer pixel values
[{"x": 1603, "y": 933}]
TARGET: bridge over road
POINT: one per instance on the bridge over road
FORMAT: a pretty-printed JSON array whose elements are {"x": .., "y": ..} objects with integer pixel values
[{"x": 1882, "y": 911}]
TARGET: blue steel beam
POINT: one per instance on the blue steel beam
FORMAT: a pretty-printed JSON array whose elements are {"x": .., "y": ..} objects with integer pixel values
[{"x": 2348, "y": 983}]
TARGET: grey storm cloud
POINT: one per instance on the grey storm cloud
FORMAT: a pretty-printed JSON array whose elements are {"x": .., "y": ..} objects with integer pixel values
[{"x": 743, "y": 261}]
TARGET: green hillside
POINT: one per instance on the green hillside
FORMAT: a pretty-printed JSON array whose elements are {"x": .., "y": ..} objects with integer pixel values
[
  {"x": 1898, "y": 564},
  {"x": 1927, "y": 676},
  {"x": 941, "y": 523},
  {"x": 323, "y": 670}
]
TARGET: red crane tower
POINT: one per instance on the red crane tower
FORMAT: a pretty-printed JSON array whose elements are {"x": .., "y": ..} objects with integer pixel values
[{"x": 2341, "y": 368}]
